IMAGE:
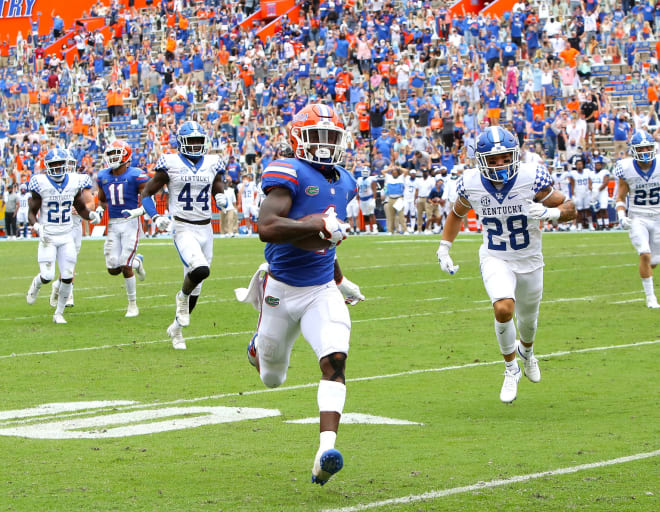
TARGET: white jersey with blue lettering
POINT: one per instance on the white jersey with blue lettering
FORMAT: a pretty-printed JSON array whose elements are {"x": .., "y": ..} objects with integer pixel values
[
  {"x": 23, "y": 202},
  {"x": 507, "y": 232},
  {"x": 57, "y": 200},
  {"x": 597, "y": 180},
  {"x": 190, "y": 184},
  {"x": 581, "y": 180},
  {"x": 644, "y": 187},
  {"x": 364, "y": 187},
  {"x": 409, "y": 188}
]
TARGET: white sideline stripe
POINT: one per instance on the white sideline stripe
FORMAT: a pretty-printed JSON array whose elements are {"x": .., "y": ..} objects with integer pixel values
[
  {"x": 495, "y": 483},
  {"x": 627, "y": 301}
]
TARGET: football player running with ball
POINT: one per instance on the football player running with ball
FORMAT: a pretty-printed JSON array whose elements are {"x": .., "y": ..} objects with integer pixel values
[
  {"x": 304, "y": 289},
  {"x": 193, "y": 178},
  {"x": 119, "y": 187},
  {"x": 510, "y": 198},
  {"x": 639, "y": 179},
  {"x": 54, "y": 194}
]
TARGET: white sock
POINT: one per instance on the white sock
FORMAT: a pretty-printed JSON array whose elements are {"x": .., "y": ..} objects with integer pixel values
[
  {"x": 327, "y": 440},
  {"x": 512, "y": 365},
  {"x": 56, "y": 285},
  {"x": 37, "y": 282},
  {"x": 647, "y": 283},
  {"x": 130, "y": 288},
  {"x": 525, "y": 352},
  {"x": 506, "y": 336},
  {"x": 65, "y": 291}
]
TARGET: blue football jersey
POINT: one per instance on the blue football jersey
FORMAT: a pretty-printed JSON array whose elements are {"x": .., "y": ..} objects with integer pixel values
[
  {"x": 311, "y": 193},
  {"x": 121, "y": 192}
]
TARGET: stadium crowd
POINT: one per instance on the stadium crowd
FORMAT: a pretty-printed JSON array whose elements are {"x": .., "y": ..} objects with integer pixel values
[{"x": 414, "y": 84}]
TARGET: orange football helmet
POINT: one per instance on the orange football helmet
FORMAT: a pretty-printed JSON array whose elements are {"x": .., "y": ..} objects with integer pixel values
[
  {"x": 318, "y": 137},
  {"x": 117, "y": 154}
]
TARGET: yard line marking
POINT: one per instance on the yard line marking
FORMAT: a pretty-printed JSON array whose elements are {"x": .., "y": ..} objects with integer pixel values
[
  {"x": 627, "y": 301},
  {"x": 495, "y": 483},
  {"x": 308, "y": 385}
]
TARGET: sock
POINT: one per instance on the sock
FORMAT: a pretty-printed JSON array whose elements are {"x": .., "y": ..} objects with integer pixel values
[
  {"x": 56, "y": 285},
  {"x": 512, "y": 365},
  {"x": 647, "y": 283},
  {"x": 130, "y": 288},
  {"x": 65, "y": 291},
  {"x": 37, "y": 282},
  {"x": 506, "y": 336},
  {"x": 327, "y": 440},
  {"x": 525, "y": 352}
]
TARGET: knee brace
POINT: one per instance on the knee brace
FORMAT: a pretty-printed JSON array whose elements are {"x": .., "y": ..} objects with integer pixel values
[
  {"x": 337, "y": 362},
  {"x": 197, "y": 275}
]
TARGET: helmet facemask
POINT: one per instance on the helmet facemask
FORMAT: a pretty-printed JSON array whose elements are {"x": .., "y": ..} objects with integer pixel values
[
  {"x": 643, "y": 152},
  {"x": 502, "y": 172},
  {"x": 322, "y": 144},
  {"x": 113, "y": 157},
  {"x": 57, "y": 169},
  {"x": 195, "y": 145}
]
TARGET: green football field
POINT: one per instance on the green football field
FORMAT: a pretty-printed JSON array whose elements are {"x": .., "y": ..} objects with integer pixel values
[{"x": 102, "y": 414}]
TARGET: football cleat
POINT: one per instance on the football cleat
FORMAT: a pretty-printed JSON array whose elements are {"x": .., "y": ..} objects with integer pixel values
[
  {"x": 32, "y": 293},
  {"x": 326, "y": 464},
  {"x": 652, "y": 302},
  {"x": 182, "y": 312},
  {"x": 58, "y": 319},
  {"x": 510, "y": 385},
  {"x": 54, "y": 294},
  {"x": 69, "y": 301},
  {"x": 530, "y": 366},
  {"x": 132, "y": 310},
  {"x": 138, "y": 266},
  {"x": 252, "y": 351},
  {"x": 174, "y": 332}
]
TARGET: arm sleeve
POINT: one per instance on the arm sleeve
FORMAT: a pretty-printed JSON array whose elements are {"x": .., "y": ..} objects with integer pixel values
[{"x": 542, "y": 180}]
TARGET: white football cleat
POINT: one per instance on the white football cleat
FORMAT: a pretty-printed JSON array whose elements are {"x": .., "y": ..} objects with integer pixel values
[
  {"x": 58, "y": 319},
  {"x": 531, "y": 368},
  {"x": 182, "y": 312},
  {"x": 652, "y": 302},
  {"x": 69, "y": 301},
  {"x": 138, "y": 266},
  {"x": 510, "y": 386},
  {"x": 174, "y": 332},
  {"x": 32, "y": 293},
  {"x": 132, "y": 310},
  {"x": 54, "y": 294},
  {"x": 326, "y": 464}
]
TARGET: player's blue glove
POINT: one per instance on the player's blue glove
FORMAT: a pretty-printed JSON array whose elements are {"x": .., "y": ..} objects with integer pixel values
[
  {"x": 131, "y": 214},
  {"x": 221, "y": 202}
]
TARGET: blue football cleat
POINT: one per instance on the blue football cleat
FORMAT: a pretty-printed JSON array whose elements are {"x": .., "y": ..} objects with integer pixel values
[
  {"x": 252, "y": 351},
  {"x": 328, "y": 464}
]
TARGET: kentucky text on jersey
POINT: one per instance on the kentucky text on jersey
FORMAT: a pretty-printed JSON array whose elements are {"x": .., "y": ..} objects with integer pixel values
[{"x": 500, "y": 210}]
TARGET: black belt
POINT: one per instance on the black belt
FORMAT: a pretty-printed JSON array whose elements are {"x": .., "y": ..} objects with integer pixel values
[{"x": 197, "y": 222}]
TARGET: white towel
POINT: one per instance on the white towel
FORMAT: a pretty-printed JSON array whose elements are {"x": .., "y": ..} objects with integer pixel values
[{"x": 254, "y": 293}]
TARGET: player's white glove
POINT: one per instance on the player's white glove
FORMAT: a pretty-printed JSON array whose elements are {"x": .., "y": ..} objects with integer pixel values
[
  {"x": 334, "y": 230},
  {"x": 221, "y": 201},
  {"x": 37, "y": 229},
  {"x": 446, "y": 263},
  {"x": 162, "y": 223},
  {"x": 94, "y": 218},
  {"x": 131, "y": 214},
  {"x": 100, "y": 210},
  {"x": 537, "y": 211},
  {"x": 624, "y": 220},
  {"x": 350, "y": 291}
]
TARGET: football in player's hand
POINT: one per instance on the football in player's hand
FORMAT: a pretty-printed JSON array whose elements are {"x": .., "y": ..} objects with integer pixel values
[{"x": 313, "y": 242}]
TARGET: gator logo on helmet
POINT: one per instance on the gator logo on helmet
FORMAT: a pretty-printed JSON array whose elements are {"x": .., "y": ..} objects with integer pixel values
[
  {"x": 272, "y": 301},
  {"x": 312, "y": 190}
]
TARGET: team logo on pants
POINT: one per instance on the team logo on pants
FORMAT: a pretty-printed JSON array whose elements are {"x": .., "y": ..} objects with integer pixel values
[{"x": 272, "y": 301}]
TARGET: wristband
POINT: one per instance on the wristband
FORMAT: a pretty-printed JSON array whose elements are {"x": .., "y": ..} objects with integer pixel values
[
  {"x": 621, "y": 204},
  {"x": 149, "y": 206}
]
